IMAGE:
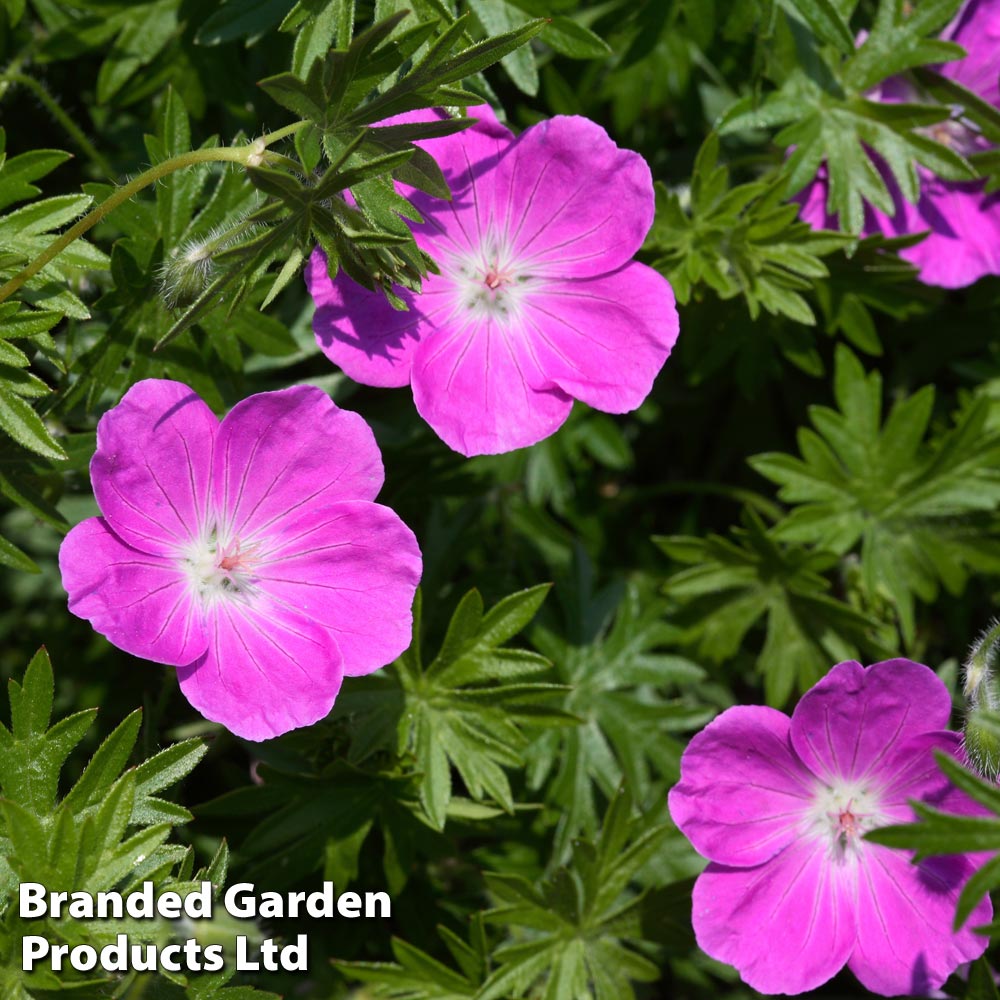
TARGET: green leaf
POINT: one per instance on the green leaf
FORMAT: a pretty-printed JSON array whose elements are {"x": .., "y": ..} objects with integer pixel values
[
  {"x": 822, "y": 103},
  {"x": 912, "y": 505},
  {"x": 940, "y": 833},
  {"x": 588, "y": 900},
  {"x": 248, "y": 19},
  {"x": 825, "y": 20},
  {"x": 92, "y": 840},
  {"x": 165, "y": 769},
  {"x": 12, "y": 556},
  {"x": 17, "y": 173},
  {"x": 982, "y": 982},
  {"x": 463, "y": 711},
  {"x": 509, "y": 616},
  {"x": 949, "y": 91},
  {"x": 292, "y": 93},
  {"x": 24, "y": 425},
  {"x": 898, "y": 42},
  {"x": 26, "y": 232},
  {"x": 15, "y": 10},
  {"x": 387, "y": 69},
  {"x": 574, "y": 40},
  {"x": 106, "y": 765},
  {"x": 27, "y": 840},
  {"x": 501, "y": 46},
  {"x": 498, "y": 17},
  {"x": 424, "y": 977},
  {"x": 331, "y": 22},
  {"x": 937, "y": 832},
  {"x": 631, "y": 699},
  {"x": 463, "y": 630},
  {"x": 739, "y": 241},
  {"x": 144, "y": 34},
  {"x": 31, "y": 701},
  {"x": 753, "y": 581},
  {"x": 983, "y": 880}
]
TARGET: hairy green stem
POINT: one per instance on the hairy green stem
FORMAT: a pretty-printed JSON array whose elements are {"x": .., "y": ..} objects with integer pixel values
[
  {"x": 282, "y": 133},
  {"x": 251, "y": 155},
  {"x": 17, "y": 78}
]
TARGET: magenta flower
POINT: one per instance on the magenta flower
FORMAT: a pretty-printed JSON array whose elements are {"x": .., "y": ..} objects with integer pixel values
[
  {"x": 247, "y": 552},
  {"x": 538, "y": 301},
  {"x": 779, "y": 806},
  {"x": 963, "y": 242}
]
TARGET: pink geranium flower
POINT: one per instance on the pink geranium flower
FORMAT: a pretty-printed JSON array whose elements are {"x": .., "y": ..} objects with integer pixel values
[
  {"x": 962, "y": 221},
  {"x": 538, "y": 301},
  {"x": 780, "y": 806},
  {"x": 247, "y": 552}
]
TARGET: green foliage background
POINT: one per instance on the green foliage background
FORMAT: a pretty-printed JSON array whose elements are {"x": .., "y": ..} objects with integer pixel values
[{"x": 816, "y": 475}]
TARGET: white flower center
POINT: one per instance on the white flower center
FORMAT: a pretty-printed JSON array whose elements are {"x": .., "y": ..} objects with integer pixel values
[
  {"x": 219, "y": 571},
  {"x": 841, "y": 813},
  {"x": 489, "y": 282}
]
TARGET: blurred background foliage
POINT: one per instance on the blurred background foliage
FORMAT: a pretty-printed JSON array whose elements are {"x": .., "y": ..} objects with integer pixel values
[{"x": 814, "y": 477}]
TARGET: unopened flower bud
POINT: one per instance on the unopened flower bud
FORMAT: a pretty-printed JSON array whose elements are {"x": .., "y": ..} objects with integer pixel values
[
  {"x": 982, "y": 702},
  {"x": 982, "y": 745},
  {"x": 191, "y": 267},
  {"x": 186, "y": 274}
]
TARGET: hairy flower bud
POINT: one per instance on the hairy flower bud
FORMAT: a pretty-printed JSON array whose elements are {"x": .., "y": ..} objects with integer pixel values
[
  {"x": 191, "y": 267},
  {"x": 982, "y": 745},
  {"x": 187, "y": 273},
  {"x": 982, "y": 699}
]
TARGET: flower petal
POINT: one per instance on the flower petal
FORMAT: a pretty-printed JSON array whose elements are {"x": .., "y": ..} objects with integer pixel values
[
  {"x": 910, "y": 771},
  {"x": 486, "y": 123},
  {"x": 848, "y": 723},
  {"x": 904, "y": 912},
  {"x": 141, "y": 603},
  {"x": 267, "y": 670},
  {"x": 352, "y": 568},
  {"x": 571, "y": 202},
  {"x": 812, "y": 203},
  {"x": 468, "y": 160},
  {"x": 977, "y": 30},
  {"x": 743, "y": 793},
  {"x": 152, "y": 468},
  {"x": 964, "y": 241},
  {"x": 471, "y": 386},
  {"x": 359, "y": 331},
  {"x": 603, "y": 340},
  {"x": 961, "y": 221},
  {"x": 356, "y": 328},
  {"x": 786, "y": 925},
  {"x": 280, "y": 451}
]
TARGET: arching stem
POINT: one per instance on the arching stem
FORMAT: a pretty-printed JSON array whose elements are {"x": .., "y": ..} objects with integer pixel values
[{"x": 252, "y": 155}]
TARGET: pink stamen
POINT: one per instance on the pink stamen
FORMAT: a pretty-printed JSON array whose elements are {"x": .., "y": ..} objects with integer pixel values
[
  {"x": 848, "y": 826},
  {"x": 237, "y": 558}
]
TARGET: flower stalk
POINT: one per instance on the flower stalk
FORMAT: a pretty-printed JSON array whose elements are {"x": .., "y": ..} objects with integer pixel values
[
  {"x": 13, "y": 77},
  {"x": 254, "y": 154}
]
